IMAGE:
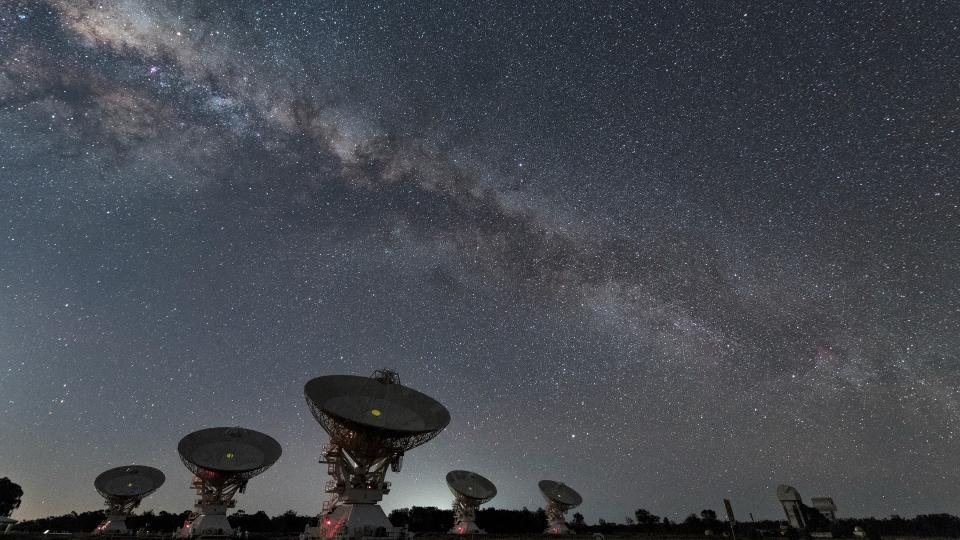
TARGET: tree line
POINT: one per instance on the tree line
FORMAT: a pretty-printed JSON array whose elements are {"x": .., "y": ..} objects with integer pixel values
[
  {"x": 493, "y": 520},
  {"x": 643, "y": 522},
  {"x": 288, "y": 522},
  {"x": 430, "y": 519}
]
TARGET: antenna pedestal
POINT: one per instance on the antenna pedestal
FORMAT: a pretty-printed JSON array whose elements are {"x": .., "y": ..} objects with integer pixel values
[
  {"x": 210, "y": 511},
  {"x": 465, "y": 516},
  {"x": 208, "y": 525},
  {"x": 466, "y": 527},
  {"x": 353, "y": 521},
  {"x": 556, "y": 524},
  {"x": 114, "y": 524},
  {"x": 352, "y": 511},
  {"x": 357, "y": 487},
  {"x": 557, "y": 527}
]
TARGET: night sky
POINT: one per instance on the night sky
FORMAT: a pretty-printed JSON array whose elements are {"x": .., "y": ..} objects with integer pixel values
[{"x": 666, "y": 255}]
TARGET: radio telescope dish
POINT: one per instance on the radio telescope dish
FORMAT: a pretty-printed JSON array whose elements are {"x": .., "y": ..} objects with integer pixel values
[
  {"x": 470, "y": 490},
  {"x": 123, "y": 488},
  {"x": 228, "y": 452},
  {"x": 560, "y": 498},
  {"x": 223, "y": 460},
  {"x": 792, "y": 504},
  {"x": 372, "y": 422},
  {"x": 826, "y": 507},
  {"x": 395, "y": 415}
]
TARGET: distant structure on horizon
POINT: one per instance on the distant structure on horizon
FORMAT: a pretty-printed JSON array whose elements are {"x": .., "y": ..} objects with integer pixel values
[
  {"x": 6, "y": 524},
  {"x": 826, "y": 507},
  {"x": 123, "y": 488},
  {"x": 560, "y": 498},
  {"x": 792, "y": 504}
]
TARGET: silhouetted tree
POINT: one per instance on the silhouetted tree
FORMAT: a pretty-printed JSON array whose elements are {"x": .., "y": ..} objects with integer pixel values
[
  {"x": 257, "y": 522},
  {"x": 578, "y": 522},
  {"x": 143, "y": 521},
  {"x": 167, "y": 522},
  {"x": 10, "y": 494},
  {"x": 503, "y": 521},
  {"x": 72, "y": 522},
  {"x": 288, "y": 522},
  {"x": 540, "y": 518},
  {"x": 646, "y": 520},
  {"x": 525, "y": 521},
  {"x": 424, "y": 519},
  {"x": 935, "y": 524},
  {"x": 399, "y": 517}
]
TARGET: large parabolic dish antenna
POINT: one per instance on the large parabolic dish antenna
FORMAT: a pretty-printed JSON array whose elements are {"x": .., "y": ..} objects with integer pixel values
[
  {"x": 470, "y": 490},
  {"x": 372, "y": 422},
  {"x": 224, "y": 453},
  {"x": 222, "y": 460},
  {"x": 560, "y": 498},
  {"x": 123, "y": 488}
]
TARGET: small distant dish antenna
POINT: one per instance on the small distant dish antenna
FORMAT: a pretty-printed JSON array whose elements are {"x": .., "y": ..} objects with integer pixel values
[
  {"x": 792, "y": 504},
  {"x": 470, "y": 490},
  {"x": 223, "y": 460},
  {"x": 372, "y": 422},
  {"x": 826, "y": 507},
  {"x": 560, "y": 498},
  {"x": 123, "y": 488},
  {"x": 6, "y": 524}
]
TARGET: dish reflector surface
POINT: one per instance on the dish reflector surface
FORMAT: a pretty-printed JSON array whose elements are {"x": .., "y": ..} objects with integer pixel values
[
  {"x": 366, "y": 405},
  {"x": 560, "y": 492},
  {"x": 129, "y": 481},
  {"x": 229, "y": 452},
  {"x": 787, "y": 493}
]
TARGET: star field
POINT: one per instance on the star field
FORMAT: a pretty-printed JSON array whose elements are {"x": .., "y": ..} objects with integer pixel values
[{"x": 665, "y": 255}]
